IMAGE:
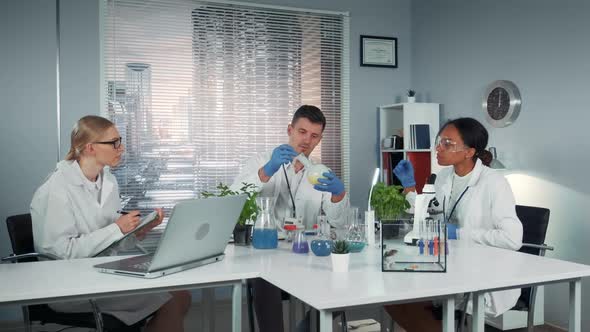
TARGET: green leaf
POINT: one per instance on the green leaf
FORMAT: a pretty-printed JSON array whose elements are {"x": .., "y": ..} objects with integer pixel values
[
  {"x": 340, "y": 247},
  {"x": 388, "y": 201},
  {"x": 250, "y": 209}
]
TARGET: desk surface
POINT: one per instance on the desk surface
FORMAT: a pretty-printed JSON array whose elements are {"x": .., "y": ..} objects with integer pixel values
[
  {"x": 307, "y": 277},
  {"x": 55, "y": 281},
  {"x": 470, "y": 268}
]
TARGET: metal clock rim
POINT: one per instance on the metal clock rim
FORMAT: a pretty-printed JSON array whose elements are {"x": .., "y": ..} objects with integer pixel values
[{"x": 515, "y": 103}]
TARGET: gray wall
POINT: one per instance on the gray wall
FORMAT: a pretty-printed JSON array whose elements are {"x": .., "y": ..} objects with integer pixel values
[
  {"x": 27, "y": 92},
  {"x": 80, "y": 58},
  {"x": 29, "y": 95},
  {"x": 542, "y": 45},
  {"x": 28, "y": 87}
]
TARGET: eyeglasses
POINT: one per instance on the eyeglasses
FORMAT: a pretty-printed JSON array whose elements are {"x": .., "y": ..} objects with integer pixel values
[
  {"x": 115, "y": 143},
  {"x": 446, "y": 144}
]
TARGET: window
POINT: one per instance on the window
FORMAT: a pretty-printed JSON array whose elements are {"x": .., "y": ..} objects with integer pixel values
[{"x": 196, "y": 88}]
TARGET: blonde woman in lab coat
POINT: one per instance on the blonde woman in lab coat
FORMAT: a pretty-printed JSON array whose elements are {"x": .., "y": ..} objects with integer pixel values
[
  {"x": 270, "y": 172},
  {"x": 477, "y": 199},
  {"x": 75, "y": 216}
]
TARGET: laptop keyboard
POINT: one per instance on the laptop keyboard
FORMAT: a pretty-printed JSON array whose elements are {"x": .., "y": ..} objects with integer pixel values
[
  {"x": 142, "y": 266},
  {"x": 140, "y": 263}
]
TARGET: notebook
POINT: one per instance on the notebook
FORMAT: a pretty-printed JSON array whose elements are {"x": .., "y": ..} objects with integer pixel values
[
  {"x": 144, "y": 222},
  {"x": 196, "y": 234}
]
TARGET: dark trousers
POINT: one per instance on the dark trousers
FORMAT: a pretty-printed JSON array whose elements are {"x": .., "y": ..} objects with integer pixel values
[{"x": 268, "y": 305}]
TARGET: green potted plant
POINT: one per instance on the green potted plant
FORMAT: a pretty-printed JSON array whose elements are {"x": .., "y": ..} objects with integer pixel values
[
  {"x": 389, "y": 204},
  {"x": 340, "y": 256},
  {"x": 411, "y": 96},
  {"x": 243, "y": 229}
]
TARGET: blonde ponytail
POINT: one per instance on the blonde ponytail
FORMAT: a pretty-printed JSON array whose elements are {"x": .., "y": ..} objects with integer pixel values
[{"x": 87, "y": 130}]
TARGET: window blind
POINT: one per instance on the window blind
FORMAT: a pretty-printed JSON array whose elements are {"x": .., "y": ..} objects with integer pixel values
[{"x": 196, "y": 88}]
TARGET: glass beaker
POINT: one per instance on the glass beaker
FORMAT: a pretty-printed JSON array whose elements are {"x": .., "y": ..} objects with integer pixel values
[
  {"x": 322, "y": 222},
  {"x": 321, "y": 245},
  {"x": 300, "y": 245},
  {"x": 265, "y": 234},
  {"x": 356, "y": 232},
  {"x": 290, "y": 230}
]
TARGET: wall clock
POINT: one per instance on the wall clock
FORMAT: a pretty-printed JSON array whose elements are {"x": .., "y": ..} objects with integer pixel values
[{"x": 501, "y": 103}]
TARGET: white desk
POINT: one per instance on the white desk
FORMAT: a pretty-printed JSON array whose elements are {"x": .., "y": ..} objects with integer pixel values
[
  {"x": 67, "y": 280},
  {"x": 309, "y": 278},
  {"x": 471, "y": 268},
  {"x": 503, "y": 269}
]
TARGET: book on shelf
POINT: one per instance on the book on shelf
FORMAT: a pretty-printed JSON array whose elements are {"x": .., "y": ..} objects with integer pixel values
[
  {"x": 419, "y": 136},
  {"x": 386, "y": 167},
  {"x": 390, "y": 160},
  {"x": 422, "y": 168},
  {"x": 394, "y": 158}
]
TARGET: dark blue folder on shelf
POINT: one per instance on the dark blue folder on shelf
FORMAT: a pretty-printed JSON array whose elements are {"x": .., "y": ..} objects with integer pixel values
[{"x": 421, "y": 133}]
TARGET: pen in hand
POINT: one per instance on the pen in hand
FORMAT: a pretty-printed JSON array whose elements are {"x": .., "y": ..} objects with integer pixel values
[{"x": 125, "y": 212}]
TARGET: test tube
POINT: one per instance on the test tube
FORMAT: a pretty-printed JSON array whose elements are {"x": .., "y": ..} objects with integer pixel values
[
  {"x": 421, "y": 237},
  {"x": 436, "y": 237},
  {"x": 446, "y": 239},
  {"x": 430, "y": 236}
]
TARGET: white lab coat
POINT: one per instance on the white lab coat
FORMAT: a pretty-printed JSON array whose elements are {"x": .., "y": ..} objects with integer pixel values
[
  {"x": 486, "y": 215},
  {"x": 308, "y": 201},
  {"x": 69, "y": 222}
]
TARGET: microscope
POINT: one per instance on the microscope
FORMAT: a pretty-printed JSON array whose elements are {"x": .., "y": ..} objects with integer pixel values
[{"x": 425, "y": 202}]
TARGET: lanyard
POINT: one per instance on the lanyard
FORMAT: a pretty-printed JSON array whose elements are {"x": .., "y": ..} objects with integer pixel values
[
  {"x": 294, "y": 214},
  {"x": 457, "y": 202}
]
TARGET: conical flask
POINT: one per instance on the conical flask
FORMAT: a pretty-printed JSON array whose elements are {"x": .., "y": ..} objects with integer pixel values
[
  {"x": 265, "y": 235},
  {"x": 356, "y": 232},
  {"x": 321, "y": 245},
  {"x": 314, "y": 171}
]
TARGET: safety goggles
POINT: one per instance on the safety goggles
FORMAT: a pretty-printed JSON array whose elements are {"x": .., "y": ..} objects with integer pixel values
[
  {"x": 446, "y": 144},
  {"x": 115, "y": 143}
]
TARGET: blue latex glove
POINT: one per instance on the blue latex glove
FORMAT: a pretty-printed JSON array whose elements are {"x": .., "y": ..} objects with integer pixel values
[
  {"x": 330, "y": 183},
  {"x": 405, "y": 173},
  {"x": 282, "y": 154},
  {"x": 452, "y": 231}
]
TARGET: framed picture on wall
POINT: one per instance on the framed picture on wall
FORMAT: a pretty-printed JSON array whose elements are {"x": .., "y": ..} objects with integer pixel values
[{"x": 378, "y": 51}]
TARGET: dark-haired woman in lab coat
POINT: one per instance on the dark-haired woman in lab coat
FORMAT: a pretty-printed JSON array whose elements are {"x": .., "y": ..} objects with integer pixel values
[{"x": 477, "y": 199}]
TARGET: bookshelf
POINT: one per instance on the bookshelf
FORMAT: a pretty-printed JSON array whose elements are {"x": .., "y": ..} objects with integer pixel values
[{"x": 417, "y": 124}]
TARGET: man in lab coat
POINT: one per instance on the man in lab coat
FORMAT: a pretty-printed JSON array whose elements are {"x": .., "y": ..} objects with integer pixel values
[{"x": 276, "y": 174}]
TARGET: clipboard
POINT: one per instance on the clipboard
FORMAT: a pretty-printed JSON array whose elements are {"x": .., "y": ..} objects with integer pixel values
[{"x": 153, "y": 216}]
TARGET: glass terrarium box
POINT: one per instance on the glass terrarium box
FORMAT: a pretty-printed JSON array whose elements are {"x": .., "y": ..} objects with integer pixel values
[{"x": 408, "y": 246}]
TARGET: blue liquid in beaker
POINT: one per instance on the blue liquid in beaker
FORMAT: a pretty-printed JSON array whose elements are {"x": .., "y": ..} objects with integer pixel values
[
  {"x": 321, "y": 247},
  {"x": 356, "y": 246},
  {"x": 265, "y": 238}
]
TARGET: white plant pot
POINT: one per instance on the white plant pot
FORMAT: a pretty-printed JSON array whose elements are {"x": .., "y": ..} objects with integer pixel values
[
  {"x": 340, "y": 262},
  {"x": 411, "y": 99}
]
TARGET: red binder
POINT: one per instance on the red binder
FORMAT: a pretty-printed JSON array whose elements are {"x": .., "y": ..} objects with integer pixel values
[{"x": 421, "y": 163}]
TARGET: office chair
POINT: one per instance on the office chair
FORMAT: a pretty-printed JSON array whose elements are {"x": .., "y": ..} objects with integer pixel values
[
  {"x": 20, "y": 231},
  {"x": 534, "y": 225}
]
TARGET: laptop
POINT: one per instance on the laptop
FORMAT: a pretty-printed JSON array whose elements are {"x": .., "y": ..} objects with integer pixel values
[{"x": 196, "y": 234}]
